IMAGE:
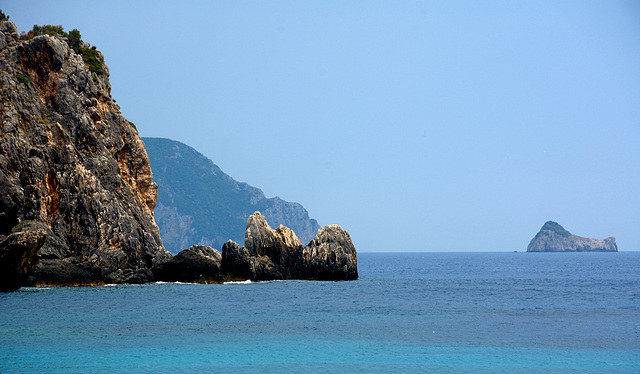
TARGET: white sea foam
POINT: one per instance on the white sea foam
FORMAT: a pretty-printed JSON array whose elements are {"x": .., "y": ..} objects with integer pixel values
[{"x": 33, "y": 289}]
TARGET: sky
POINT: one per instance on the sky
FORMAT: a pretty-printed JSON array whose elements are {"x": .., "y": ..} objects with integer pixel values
[{"x": 415, "y": 125}]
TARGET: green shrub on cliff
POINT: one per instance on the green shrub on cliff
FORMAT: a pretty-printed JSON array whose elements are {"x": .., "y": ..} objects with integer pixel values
[
  {"x": 75, "y": 40},
  {"x": 93, "y": 60},
  {"x": 47, "y": 30},
  {"x": 3, "y": 17},
  {"x": 22, "y": 79},
  {"x": 133, "y": 126},
  {"x": 90, "y": 56}
]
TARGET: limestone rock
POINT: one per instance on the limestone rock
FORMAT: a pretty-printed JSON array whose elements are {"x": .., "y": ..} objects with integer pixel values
[
  {"x": 237, "y": 263},
  {"x": 331, "y": 255},
  {"x": 554, "y": 238},
  {"x": 277, "y": 254},
  {"x": 266, "y": 254},
  {"x": 198, "y": 264},
  {"x": 18, "y": 255},
  {"x": 70, "y": 161}
]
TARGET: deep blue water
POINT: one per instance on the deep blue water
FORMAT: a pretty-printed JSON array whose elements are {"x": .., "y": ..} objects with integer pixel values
[{"x": 419, "y": 312}]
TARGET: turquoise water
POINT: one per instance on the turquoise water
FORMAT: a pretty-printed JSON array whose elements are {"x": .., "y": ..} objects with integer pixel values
[{"x": 425, "y": 312}]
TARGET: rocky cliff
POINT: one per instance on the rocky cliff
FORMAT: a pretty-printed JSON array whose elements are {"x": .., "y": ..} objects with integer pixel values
[
  {"x": 199, "y": 204},
  {"x": 554, "y": 238},
  {"x": 76, "y": 191}
]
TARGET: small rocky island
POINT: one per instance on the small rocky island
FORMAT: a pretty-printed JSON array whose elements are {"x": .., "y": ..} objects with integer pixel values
[
  {"x": 554, "y": 238},
  {"x": 77, "y": 196}
]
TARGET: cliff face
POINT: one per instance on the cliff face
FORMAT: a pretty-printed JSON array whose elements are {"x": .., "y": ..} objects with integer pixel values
[
  {"x": 554, "y": 238},
  {"x": 198, "y": 203},
  {"x": 70, "y": 162}
]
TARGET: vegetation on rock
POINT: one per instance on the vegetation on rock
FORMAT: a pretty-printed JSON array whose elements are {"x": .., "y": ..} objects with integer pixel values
[
  {"x": 22, "y": 79},
  {"x": 556, "y": 228},
  {"x": 93, "y": 60},
  {"x": 91, "y": 57}
]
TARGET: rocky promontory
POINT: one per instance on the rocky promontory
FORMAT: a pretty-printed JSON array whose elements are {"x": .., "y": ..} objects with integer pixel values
[
  {"x": 267, "y": 254},
  {"x": 554, "y": 238},
  {"x": 76, "y": 191}
]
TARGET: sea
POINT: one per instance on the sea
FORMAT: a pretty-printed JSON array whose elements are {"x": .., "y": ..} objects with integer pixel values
[{"x": 407, "y": 313}]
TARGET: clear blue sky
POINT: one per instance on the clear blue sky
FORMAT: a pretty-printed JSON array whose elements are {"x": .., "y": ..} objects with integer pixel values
[{"x": 415, "y": 125}]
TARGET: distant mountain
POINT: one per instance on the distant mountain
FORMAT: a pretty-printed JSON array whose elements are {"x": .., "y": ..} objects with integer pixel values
[{"x": 200, "y": 204}]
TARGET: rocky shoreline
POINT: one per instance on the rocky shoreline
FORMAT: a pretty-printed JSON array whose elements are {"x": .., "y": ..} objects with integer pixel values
[{"x": 268, "y": 254}]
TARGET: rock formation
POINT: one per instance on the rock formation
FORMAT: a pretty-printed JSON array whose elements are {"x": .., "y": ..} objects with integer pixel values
[
  {"x": 19, "y": 254},
  {"x": 554, "y": 238},
  {"x": 76, "y": 191},
  {"x": 277, "y": 254},
  {"x": 268, "y": 254},
  {"x": 198, "y": 203},
  {"x": 198, "y": 264}
]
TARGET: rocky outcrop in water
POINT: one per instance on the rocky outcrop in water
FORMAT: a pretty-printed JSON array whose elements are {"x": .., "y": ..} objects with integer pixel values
[
  {"x": 271, "y": 254},
  {"x": 198, "y": 264},
  {"x": 554, "y": 238},
  {"x": 75, "y": 181},
  {"x": 268, "y": 254}
]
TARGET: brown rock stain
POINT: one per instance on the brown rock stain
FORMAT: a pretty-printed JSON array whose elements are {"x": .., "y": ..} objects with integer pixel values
[
  {"x": 52, "y": 197},
  {"x": 42, "y": 69}
]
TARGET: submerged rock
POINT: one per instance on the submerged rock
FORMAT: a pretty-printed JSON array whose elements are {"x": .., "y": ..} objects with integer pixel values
[
  {"x": 554, "y": 238},
  {"x": 271, "y": 254}
]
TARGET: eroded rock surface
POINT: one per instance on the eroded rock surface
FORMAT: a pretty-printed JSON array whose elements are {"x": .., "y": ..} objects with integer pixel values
[
  {"x": 71, "y": 162},
  {"x": 330, "y": 255},
  {"x": 19, "y": 254},
  {"x": 198, "y": 264},
  {"x": 271, "y": 254}
]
